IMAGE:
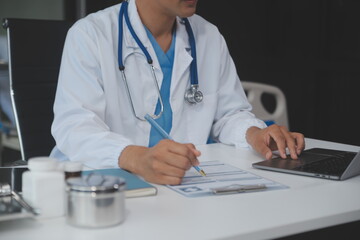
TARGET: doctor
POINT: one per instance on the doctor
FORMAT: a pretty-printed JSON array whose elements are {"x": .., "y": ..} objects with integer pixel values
[{"x": 136, "y": 58}]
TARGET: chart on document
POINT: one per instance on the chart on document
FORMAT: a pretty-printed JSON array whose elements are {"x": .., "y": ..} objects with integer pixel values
[{"x": 219, "y": 174}]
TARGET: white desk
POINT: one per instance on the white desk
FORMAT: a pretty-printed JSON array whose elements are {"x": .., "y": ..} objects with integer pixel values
[{"x": 308, "y": 204}]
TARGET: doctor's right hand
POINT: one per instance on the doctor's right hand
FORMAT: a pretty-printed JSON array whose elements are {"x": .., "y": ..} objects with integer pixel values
[{"x": 164, "y": 163}]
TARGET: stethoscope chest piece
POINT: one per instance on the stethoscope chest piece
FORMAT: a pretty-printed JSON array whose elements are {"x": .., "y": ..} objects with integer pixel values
[{"x": 193, "y": 95}]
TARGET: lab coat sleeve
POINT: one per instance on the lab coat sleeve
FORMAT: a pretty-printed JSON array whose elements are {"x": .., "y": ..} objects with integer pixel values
[
  {"x": 233, "y": 117},
  {"x": 79, "y": 125}
]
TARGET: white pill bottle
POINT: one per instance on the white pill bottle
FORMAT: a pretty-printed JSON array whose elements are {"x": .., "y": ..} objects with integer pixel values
[{"x": 43, "y": 187}]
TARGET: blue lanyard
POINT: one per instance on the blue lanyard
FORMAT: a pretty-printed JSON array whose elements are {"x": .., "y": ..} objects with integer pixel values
[{"x": 124, "y": 14}]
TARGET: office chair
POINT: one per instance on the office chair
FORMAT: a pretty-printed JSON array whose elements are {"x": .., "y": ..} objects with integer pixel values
[
  {"x": 254, "y": 93},
  {"x": 35, "y": 50}
]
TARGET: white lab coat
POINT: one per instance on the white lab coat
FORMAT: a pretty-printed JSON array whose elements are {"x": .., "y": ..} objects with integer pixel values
[{"x": 93, "y": 117}]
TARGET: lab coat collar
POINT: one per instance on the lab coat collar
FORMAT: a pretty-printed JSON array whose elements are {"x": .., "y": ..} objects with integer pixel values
[
  {"x": 183, "y": 58},
  {"x": 181, "y": 34},
  {"x": 137, "y": 26}
]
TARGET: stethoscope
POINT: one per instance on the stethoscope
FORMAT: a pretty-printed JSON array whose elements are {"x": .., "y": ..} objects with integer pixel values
[{"x": 192, "y": 95}]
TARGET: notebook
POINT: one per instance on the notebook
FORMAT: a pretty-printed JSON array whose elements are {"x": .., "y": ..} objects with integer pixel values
[
  {"x": 135, "y": 186},
  {"x": 317, "y": 162}
]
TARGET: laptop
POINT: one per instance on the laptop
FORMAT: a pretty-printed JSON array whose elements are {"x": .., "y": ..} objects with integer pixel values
[{"x": 317, "y": 162}]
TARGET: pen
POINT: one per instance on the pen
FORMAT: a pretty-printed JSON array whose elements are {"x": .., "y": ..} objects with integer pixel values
[
  {"x": 237, "y": 188},
  {"x": 167, "y": 136}
]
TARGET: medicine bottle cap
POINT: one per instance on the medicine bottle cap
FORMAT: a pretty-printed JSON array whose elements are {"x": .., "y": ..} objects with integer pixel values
[
  {"x": 42, "y": 164},
  {"x": 73, "y": 167}
]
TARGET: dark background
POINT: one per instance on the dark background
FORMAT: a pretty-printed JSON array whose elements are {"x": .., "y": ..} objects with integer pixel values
[{"x": 308, "y": 48}]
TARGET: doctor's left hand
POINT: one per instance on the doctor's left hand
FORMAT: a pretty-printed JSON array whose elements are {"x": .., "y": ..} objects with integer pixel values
[{"x": 165, "y": 163}]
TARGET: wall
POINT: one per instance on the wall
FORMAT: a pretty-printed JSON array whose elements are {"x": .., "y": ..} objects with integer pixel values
[
  {"x": 36, "y": 9},
  {"x": 308, "y": 48}
]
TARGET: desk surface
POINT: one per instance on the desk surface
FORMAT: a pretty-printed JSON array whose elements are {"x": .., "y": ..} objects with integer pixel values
[{"x": 308, "y": 204}]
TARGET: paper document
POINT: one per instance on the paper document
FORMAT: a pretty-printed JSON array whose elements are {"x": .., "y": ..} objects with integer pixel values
[{"x": 219, "y": 174}]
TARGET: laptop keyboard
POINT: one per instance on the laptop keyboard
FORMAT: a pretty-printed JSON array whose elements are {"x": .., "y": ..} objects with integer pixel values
[{"x": 332, "y": 166}]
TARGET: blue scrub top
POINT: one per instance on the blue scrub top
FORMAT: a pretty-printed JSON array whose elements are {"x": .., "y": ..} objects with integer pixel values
[{"x": 166, "y": 61}]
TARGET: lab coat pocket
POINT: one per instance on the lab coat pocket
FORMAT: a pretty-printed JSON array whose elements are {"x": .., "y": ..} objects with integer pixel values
[{"x": 200, "y": 117}]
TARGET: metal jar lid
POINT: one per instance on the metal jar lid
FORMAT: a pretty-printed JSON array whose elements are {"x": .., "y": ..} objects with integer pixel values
[{"x": 96, "y": 183}]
